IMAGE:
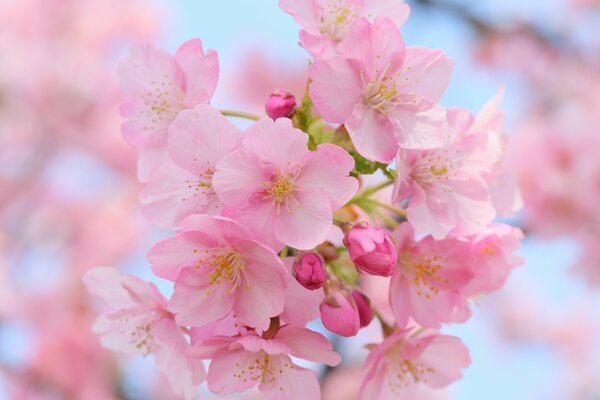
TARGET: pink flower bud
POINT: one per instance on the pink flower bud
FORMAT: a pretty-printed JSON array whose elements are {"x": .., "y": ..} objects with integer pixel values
[
  {"x": 372, "y": 250},
  {"x": 339, "y": 314},
  {"x": 363, "y": 305},
  {"x": 309, "y": 271},
  {"x": 280, "y": 104}
]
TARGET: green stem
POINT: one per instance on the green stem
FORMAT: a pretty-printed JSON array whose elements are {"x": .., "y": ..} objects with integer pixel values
[
  {"x": 390, "y": 221},
  {"x": 239, "y": 114},
  {"x": 370, "y": 190},
  {"x": 396, "y": 210}
]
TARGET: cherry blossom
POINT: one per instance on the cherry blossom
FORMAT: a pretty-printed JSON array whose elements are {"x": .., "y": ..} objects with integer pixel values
[
  {"x": 239, "y": 363},
  {"x": 182, "y": 185},
  {"x": 436, "y": 278},
  {"x": 447, "y": 188},
  {"x": 407, "y": 359},
  {"x": 158, "y": 86},
  {"x": 139, "y": 323},
  {"x": 218, "y": 266},
  {"x": 325, "y": 23},
  {"x": 279, "y": 189},
  {"x": 428, "y": 281},
  {"x": 384, "y": 93}
]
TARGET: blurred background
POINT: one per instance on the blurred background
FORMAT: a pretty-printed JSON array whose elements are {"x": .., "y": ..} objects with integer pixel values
[{"x": 69, "y": 197}]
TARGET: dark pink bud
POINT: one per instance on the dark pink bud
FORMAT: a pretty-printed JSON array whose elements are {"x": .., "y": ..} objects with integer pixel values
[
  {"x": 339, "y": 314},
  {"x": 372, "y": 250},
  {"x": 309, "y": 270},
  {"x": 363, "y": 305},
  {"x": 280, "y": 104}
]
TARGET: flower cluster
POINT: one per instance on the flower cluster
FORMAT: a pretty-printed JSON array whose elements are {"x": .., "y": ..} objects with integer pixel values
[{"x": 274, "y": 226}]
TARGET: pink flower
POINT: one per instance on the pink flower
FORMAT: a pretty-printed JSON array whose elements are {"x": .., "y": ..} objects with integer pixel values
[
  {"x": 492, "y": 256},
  {"x": 499, "y": 173},
  {"x": 446, "y": 187},
  {"x": 282, "y": 191},
  {"x": 158, "y": 86},
  {"x": 436, "y": 278},
  {"x": 218, "y": 266},
  {"x": 339, "y": 314},
  {"x": 139, "y": 323},
  {"x": 385, "y": 94},
  {"x": 371, "y": 250},
  {"x": 405, "y": 360},
  {"x": 326, "y": 23},
  {"x": 240, "y": 363},
  {"x": 182, "y": 185},
  {"x": 428, "y": 281},
  {"x": 280, "y": 104},
  {"x": 309, "y": 270}
]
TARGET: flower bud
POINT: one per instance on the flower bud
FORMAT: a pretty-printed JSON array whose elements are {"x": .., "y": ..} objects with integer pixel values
[
  {"x": 339, "y": 314},
  {"x": 280, "y": 104},
  {"x": 309, "y": 270},
  {"x": 372, "y": 250},
  {"x": 363, "y": 305}
]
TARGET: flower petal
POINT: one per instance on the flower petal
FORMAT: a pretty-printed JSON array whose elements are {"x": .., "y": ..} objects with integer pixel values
[
  {"x": 327, "y": 168},
  {"x": 372, "y": 134},
  {"x": 197, "y": 300}
]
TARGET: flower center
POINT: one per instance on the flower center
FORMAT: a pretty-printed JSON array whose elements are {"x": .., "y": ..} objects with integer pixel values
[
  {"x": 407, "y": 372},
  {"x": 282, "y": 187},
  {"x": 436, "y": 169},
  {"x": 227, "y": 266},
  {"x": 281, "y": 191},
  {"x": 162, "y": 102},
  {"x": 142, "y": 338},
  {"x": 386, "y": 88},
  {"x": 202, "y": 186},
  {"x": 424, "y": 274},
  {"x": 384, "y": 92},
  {"x": 336, "y": 17}
]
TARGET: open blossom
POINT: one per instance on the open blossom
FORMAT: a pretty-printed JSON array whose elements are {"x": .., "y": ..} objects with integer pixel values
[
  {"x": 182, "y": 185},
  {"x": 218, "y": 267},
  {"x": 501, "y": 178},
  {"x": 158, "y": 86},
  {"x": 435, "y": 278},
  {"x": 325, "y": 23},
  {"x": 405, "y": 360},
  {"x": 493, "y": 257},
  {"x": 385, "y": 94},
  {"x": 139, "y": 323},
  {"x": 279, "y": 189},
  {"x": 240, "y": 363},
  {"x": 428, "y": 281},
  {"x": 446, "y": 187}
]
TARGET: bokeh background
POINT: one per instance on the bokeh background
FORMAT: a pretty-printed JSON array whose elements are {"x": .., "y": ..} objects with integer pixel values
[{"x": 69, "y": 197}]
